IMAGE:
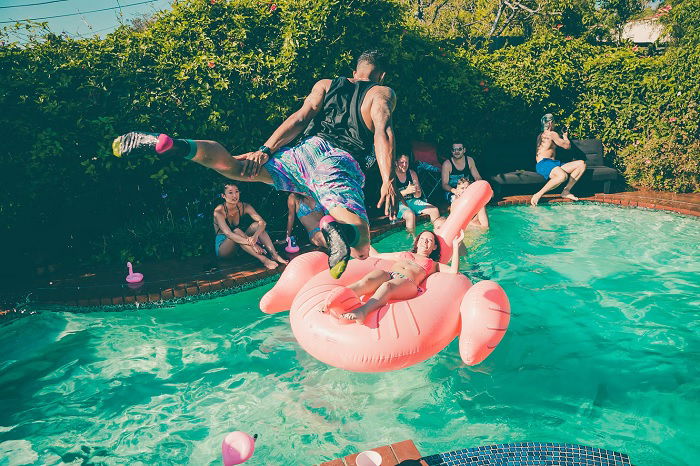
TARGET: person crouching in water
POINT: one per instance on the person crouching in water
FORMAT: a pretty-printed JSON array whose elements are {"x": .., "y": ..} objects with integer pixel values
[
  {"x": 399, "y": 283},
  {"x": 480, "y": 220},
  {"x": 234, "y": 231}
]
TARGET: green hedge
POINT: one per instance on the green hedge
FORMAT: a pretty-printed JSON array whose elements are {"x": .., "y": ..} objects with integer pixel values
[{"x": 231, "y": 70}]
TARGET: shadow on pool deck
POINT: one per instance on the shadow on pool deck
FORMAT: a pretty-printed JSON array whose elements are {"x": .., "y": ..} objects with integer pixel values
[
  {"x": 200, "y": 275},
  {"x": 166, "y": 280}
]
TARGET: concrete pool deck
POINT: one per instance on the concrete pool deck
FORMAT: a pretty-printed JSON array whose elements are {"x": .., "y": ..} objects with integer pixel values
[{"x": 200, "y": 276}]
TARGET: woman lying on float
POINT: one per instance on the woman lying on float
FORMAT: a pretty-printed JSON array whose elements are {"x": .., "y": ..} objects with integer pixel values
[
  {"x": 409, "y": 327},
  {"x": 399, "y": 283}
]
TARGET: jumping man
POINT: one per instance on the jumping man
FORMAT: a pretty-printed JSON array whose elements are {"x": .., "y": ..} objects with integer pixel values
[{"x": 342, "y": 120}]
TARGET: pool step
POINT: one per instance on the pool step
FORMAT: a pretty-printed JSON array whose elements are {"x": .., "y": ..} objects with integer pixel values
[{"x": 404, "y": 453}]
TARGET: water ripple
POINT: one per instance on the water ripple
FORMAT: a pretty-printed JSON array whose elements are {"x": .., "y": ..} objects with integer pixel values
[{"x": 602, "y": 350}]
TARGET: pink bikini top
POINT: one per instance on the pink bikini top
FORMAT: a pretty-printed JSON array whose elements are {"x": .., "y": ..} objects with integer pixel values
[{"x": 425, "y": 262}]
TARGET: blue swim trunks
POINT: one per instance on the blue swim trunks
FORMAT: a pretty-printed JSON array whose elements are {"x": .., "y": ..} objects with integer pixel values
[
  {"x": 313, "y": 167},
  {"x": 545, "y": 166},
  {"x": 416, "y": 205},
  {"x": 220, "y": 238}
]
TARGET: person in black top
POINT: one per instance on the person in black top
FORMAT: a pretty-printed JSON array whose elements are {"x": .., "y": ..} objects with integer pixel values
[
  {"x": 408, "y": 185},
  {"x": 455, "y": 168},
  {"x": 342, "y": 121},
  {"x": 233, "y": 230}
]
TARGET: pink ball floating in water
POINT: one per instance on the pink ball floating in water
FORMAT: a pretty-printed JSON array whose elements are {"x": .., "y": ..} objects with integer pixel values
[
  {"x": 368, "y": 458},
  {"x": 237, "y": 448}
]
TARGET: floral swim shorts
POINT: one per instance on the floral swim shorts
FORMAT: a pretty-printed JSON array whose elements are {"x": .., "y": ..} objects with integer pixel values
[{"x": 314, "y": 167}]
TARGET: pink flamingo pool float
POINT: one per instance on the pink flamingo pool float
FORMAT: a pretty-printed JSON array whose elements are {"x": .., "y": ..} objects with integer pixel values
[
  {"x": 133, "y": 277},
  {"x": 403, "y": 332}
]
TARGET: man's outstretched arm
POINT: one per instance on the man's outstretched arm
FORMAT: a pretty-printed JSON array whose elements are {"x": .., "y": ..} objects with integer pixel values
[
  {"x": 382, "y": 106},
  {"x": 562, "y": 142},
  {"x": 299, "y": 120},
  {"x": 288, "y": 130}
]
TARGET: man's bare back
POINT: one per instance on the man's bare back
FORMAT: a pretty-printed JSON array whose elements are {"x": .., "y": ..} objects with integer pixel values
[
  {"x": 546, "y": 149},
  {"x": 547, "y": 143},
  {"x": 382, "y": 97}
]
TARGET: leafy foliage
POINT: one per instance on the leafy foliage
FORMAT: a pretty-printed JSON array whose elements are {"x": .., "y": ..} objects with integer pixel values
[
  {"x": 464, "y": 19},
  {"x": 231, "y": 70},
  {"x": 682, "y": 20}
]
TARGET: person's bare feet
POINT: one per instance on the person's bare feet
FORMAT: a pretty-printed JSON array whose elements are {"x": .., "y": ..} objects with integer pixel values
[
  {"x": 270, "y": 264},
  {"x": 535, "y": 199},
  {"x": 357, "y": 316},
  {"x": 342, "y": 301},
  {"x": 280, "y": 259},
  {"x": 566, "y": 195}
]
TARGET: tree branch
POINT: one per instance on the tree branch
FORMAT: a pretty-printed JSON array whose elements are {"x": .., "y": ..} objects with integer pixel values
[
  {"x": 498, "y": 18},
  {"x": 521, "y": 6},
  {"x": 437, "y": 10},
  {"x": 507, "y": 22}
]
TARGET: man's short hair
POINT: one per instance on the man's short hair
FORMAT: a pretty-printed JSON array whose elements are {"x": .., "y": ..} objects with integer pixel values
[{"x": 374, "y": 58}]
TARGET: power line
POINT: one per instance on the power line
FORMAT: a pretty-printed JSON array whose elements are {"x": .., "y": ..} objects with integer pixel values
[
  {"x": 33, "y": 4},
  {"x": 90, "y": 33},
  {"x": 81, "y": 13}
]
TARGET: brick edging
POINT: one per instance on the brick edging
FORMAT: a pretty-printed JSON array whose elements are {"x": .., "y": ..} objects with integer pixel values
[{"x": 681, "y": 207}]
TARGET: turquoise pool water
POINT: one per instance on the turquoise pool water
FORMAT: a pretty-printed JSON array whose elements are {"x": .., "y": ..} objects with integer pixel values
[{"x": 603, "y": 349}]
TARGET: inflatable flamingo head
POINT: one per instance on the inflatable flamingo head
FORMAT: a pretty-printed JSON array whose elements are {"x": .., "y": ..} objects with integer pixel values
[
  {"x": 237, "y": 447},
  {"x": 463, "y": 209}
]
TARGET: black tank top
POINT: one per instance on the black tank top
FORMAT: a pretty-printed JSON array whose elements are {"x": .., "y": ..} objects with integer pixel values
[
  {"x": 464, "y": 173},
  {"x": 409, "y": 179},
  {"x": 340, "y": 121}
]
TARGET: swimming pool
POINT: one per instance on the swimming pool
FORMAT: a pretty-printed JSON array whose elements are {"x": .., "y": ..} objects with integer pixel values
[{"x": 602, "y": 350}]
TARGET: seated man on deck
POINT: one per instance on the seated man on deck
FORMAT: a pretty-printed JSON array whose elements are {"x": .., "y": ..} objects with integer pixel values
[
  {"x": 408, "y": 185},
  {"x": 399, "y": 283},
  {"x": 551, "y": 169},
  {"x": 457, "y": 167}
]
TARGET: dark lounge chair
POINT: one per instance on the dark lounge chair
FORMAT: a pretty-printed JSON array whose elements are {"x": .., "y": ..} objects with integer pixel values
[{"x": 590, "y": 150}]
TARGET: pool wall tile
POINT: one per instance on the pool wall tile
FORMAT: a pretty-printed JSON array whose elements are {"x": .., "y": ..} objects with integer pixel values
[{"x": 530, "y": 453}]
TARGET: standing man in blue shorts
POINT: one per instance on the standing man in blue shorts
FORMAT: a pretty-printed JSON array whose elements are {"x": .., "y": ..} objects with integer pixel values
[
  {"x": 551, "y": 169},
  {"x": 342, "y": 120}
]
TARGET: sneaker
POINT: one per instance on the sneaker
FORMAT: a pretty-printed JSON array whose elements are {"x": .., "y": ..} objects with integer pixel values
[
  {"x": 138, "y": 143},
  {"x": 339, "y": 248}
]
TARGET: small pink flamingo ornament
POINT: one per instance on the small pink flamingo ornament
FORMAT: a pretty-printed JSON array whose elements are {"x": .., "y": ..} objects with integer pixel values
[
  {"x": 291, "y": 247},
  {"x": 133, "y": 277}
]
